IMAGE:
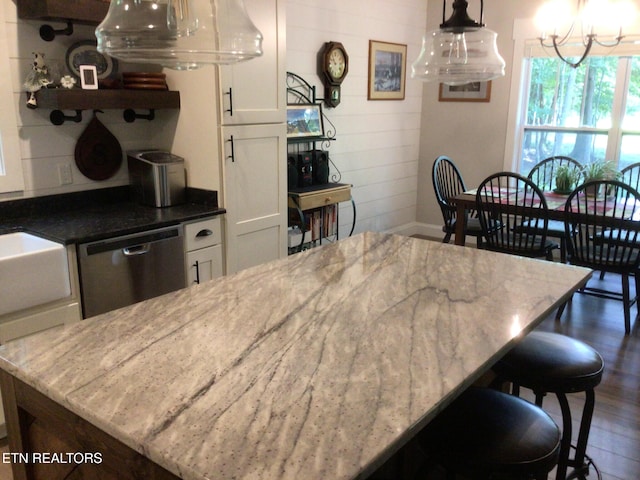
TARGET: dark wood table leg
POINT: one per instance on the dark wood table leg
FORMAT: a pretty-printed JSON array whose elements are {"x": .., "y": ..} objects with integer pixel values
[{"x": 461, "y": 218}]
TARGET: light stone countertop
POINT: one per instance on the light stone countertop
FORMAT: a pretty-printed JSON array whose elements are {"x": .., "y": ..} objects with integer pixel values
[{"x": 317, "y": 366}]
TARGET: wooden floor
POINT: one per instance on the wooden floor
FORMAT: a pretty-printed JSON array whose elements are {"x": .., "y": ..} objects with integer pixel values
[{"x": 614, "y": 443}]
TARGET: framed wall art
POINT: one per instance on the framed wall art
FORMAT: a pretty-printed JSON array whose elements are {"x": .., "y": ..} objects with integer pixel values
[
  {"x": 470, "y": 92},
  {"x": 387, "y": 70},
  {"x": 304, "y": 120},
  {"x": 88, "y": 77}
]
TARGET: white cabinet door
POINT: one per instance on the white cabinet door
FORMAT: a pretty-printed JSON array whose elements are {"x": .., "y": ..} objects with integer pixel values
[
  {"x": 204, "y": 264},
  {"x": 255, "y": 194},
  {"x": 255, "y": 91}
]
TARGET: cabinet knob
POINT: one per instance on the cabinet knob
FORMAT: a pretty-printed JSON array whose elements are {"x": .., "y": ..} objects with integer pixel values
[{"x": 327, "y": 200}]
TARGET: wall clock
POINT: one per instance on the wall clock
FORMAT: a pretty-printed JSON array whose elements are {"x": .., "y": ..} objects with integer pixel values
[{"x": 333, "y": 65}]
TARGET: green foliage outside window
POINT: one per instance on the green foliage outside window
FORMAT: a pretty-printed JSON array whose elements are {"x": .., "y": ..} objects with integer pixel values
[{"x": 572, "y": 111}]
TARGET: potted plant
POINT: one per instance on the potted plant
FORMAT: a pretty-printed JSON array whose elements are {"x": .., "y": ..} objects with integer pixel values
[
  {"x": 600, "y": 170},
  {"x": 566, "y": 178}
]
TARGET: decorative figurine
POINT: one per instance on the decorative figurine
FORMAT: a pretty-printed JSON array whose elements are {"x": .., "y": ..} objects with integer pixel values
[{"x": 36, "y": 79}]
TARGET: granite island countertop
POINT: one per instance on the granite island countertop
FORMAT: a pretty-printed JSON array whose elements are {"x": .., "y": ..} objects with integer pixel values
[
  {"x": 97, "y": 214},
  {"x": 316, "y": 366}
]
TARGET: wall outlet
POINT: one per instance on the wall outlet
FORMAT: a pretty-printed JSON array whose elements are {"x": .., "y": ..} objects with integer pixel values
[{"x": 64, "y": 174}]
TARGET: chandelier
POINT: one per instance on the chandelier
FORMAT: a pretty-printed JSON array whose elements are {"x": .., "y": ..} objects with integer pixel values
[
  {"x": 583, "y": 22},
  {"x": 461, "y": 51}
]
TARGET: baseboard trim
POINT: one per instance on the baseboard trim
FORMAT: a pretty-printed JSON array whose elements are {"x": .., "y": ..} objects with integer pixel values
[
  {"x": 418, "y": 228},
  {"x": 426, "y": 230}
]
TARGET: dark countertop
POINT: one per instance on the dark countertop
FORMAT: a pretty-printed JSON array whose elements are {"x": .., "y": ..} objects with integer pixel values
[{"x": 97, "y": 214}]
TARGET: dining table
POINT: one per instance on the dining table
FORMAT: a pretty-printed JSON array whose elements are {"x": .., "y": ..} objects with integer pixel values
[
  {"x": 320, "y": 365},
  {"x": 466, "y": 201}
]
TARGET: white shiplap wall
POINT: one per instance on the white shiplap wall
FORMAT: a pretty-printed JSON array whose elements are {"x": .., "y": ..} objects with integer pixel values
[
  {"x": 377, "y": 141},
  {"x": 44, "y": 146},
  {"x": 377, "y": 144}
]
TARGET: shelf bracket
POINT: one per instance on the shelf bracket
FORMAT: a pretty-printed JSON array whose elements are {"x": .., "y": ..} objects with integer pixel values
[
  {"x": 131, "y": 116},
  {"x": 57, "y": 117},
  {"x": 48, "y": 33}
]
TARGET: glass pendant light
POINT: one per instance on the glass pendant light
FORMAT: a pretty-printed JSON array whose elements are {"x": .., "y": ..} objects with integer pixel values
[
  {"x": 461, "y": 51},
  {"x": 179, "y": 34}
]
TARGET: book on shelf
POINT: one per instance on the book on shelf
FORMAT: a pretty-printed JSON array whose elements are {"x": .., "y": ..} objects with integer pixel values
[{"x": 321, "y": 223}]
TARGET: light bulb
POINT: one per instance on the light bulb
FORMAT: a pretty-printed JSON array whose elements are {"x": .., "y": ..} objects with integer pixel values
[
  {"x": 458, "y": 50},
  {"x": 181, "y": 18}
]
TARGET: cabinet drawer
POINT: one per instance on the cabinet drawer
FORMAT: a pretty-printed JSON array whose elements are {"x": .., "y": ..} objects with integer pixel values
[
  {"x": 308, "y": 201},
  {"x": 202, "y": 234}
]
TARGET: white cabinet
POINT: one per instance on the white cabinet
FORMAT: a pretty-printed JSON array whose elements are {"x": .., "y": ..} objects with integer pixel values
[
  {"x": 255, "y": 194},
  {"x": 203, "y": 245},
  {"x": 253, "y": 144},
  {"x": 255, "y": 91}
]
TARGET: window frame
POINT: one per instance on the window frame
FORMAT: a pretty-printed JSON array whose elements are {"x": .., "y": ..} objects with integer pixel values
[{"x": 526, "y": 46}]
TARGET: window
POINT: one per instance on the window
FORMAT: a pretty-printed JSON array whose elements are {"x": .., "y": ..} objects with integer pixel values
[{"x": 590, "y": 112}]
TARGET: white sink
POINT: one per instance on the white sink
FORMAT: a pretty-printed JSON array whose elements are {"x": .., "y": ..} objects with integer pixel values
[{"x": 33, "y": 271}]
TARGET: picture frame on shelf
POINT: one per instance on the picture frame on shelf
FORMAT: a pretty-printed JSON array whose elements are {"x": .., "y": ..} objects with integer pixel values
[
  {"x": 470, "y": 92},
  {"x": 304, "y": 120},
  {"x": 387, "y": 70},
  {"x": 88, "y": 77}
]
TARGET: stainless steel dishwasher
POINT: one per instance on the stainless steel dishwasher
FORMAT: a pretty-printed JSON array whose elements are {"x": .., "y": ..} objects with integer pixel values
[{"x": 123, "y": 270}]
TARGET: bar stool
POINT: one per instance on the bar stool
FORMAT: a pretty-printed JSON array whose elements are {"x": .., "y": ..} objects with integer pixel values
[
  {"x": 552, "y": 363},
  {"x": 485, "y": 433}
]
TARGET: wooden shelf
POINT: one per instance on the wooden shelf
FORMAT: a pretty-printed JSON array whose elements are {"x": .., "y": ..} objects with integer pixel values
[
  {"x": 77, "y": 99},
  {"x": 292, "y": 140},
  {"x": 90, "y": 12}
]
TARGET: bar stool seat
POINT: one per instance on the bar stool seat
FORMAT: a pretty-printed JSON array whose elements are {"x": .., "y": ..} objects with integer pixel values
[
  {"x": 486, "y": 433},
  {"x": 547, "y": 362}
]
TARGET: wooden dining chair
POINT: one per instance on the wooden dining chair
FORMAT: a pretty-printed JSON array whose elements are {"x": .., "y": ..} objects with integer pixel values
[
  {"x": 603, "y": 233},
  {"x": 543, "y": 174},
  {"x": 631, "y": 175},
  {"x": 447, "y": 183},
  {"x": 505, "y": 201}
]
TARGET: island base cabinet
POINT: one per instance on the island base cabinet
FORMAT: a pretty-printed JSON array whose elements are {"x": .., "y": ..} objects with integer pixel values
[{"x": 49, "y": 442}]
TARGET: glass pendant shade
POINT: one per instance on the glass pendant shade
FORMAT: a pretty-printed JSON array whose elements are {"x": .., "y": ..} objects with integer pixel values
[
  {"x": 460, "y": 56},
  {"x": 179, "y": 34}
]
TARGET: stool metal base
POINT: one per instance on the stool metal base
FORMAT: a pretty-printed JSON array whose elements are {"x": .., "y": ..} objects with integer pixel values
[{"x": 578, "y": 463}]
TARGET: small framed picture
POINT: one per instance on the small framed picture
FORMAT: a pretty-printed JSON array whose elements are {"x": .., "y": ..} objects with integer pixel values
[
  {"x": 304, "y": 120},
  {"x": 470, "y": 92},
  {"x": 387, "y": 70},
  {"x": 89, "y": 77}
]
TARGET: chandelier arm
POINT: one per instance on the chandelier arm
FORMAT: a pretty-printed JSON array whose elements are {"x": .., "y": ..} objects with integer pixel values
[
  {"x": 610, "y": 45},
  {"x": 555, "y": 36},
  {"x": 584, "y": 55}
]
